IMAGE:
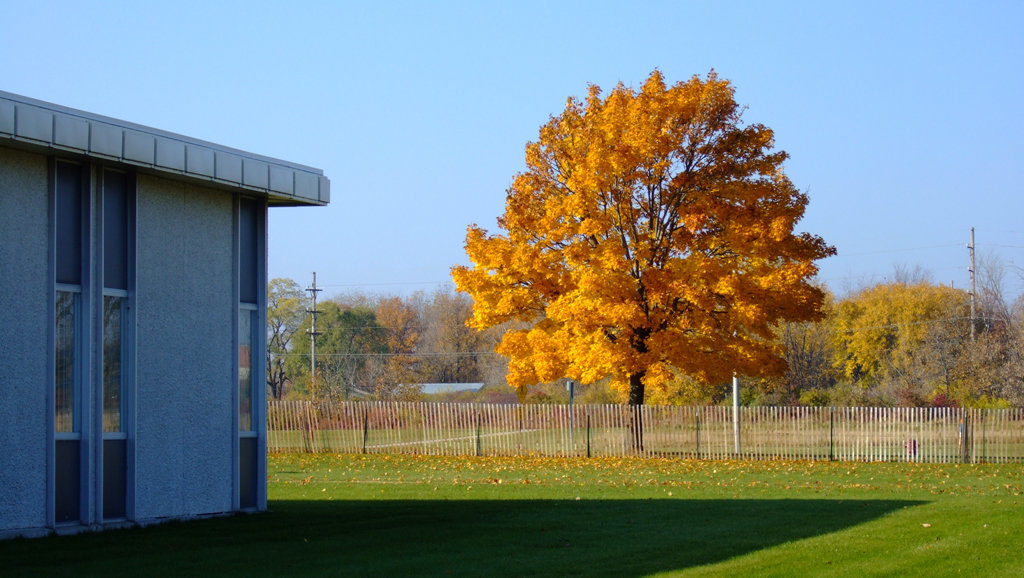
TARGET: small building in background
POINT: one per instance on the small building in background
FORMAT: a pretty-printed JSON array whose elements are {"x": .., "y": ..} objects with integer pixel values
[
  {"x": 438, "y": 388},
  {"x": 132, "y": 316}
]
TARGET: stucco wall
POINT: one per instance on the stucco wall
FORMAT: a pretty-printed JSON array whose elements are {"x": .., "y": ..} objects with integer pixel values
[
  {"x": 24, "y": 296},
  {"x": 185, "y": 304}
]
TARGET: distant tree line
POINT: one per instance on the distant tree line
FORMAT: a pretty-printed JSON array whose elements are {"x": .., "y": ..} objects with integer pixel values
[
  {"x": 906, "y": 342},
  {"x": 903, "y": 342},
  {"x": 374, "y": 346}
]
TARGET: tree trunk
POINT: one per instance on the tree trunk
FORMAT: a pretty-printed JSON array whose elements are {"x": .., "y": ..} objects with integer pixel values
[
  {"x": 636, "y": 399},
  {"x": 636, "y": 388}
]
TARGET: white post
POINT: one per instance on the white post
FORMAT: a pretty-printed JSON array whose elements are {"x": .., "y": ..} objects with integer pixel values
[
  {"x": 572, "y": 417},
  {"x": 736, "y": 413}
]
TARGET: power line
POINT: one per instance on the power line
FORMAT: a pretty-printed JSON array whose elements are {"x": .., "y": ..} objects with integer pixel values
[
  {"x": 907, "y": 324},
  {"x": 387, "y": 284},
  {"x": 896, "y": 250},
  {"x": 427, "y": 354}
]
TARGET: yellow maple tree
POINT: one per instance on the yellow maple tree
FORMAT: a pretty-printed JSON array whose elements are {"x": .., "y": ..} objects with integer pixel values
[
  {"x": 911, "y": 334},
  {"x": 651, "y": 233}
]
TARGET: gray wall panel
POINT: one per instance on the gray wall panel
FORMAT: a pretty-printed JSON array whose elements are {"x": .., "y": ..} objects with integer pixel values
[
  {"x": 210, "y": 430},
  {"x": 185, "y": 320},
  {"x": 24, "y": 293},
  {"x": 158, "y": 429}
]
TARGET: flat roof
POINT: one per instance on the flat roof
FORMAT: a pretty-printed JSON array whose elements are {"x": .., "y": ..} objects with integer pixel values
[{"x": 34, "y": 124}]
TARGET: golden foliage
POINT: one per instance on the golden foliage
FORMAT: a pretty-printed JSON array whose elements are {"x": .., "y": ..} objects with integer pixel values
[
  {"x": 894, "y": 330},
  {"x": 651, "y": 233}
]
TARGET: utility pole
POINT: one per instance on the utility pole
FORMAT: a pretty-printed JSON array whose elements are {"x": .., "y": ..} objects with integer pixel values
[
  {"x": 312, "y": 330},
  {"x": 973, "y": 292}
]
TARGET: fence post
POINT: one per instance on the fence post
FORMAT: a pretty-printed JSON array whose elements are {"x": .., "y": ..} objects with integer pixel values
[
  {"x": 965, "y": 436},
  {"x": 696, "y": 419},
  {"x": 831, "y": 433},
  {"x": 588, "y": 432},
  {"x": 736, "y": 414},
  {"x": 984, "y": 439},
  {"x": 308, "y": 438},
  {"x": 519, "y": 436},
  {"x": 366, "y": 426},
  {"x": 478, "y": 447}
]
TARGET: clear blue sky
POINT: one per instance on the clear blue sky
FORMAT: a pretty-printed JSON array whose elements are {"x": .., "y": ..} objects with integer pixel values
[{"x": 904, "y": 120}]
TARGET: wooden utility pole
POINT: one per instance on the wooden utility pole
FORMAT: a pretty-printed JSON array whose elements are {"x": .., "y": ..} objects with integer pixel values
[
  {"x": 973, "y": 292},
  {"x": 313, "y": 333}
]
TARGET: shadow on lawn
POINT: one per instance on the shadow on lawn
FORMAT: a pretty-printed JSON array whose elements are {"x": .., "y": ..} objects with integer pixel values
[
  {"x": 457, "y": 537},
  {"x": 551, "y": 537}
]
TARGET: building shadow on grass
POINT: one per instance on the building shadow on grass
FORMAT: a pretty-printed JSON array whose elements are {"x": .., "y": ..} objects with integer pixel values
[
  {"x": 561, "y": 538},
  {"x": 449, "y": 538}
]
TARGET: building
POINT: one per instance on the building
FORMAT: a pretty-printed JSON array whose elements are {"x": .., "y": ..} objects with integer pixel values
[
  {"x": 132, "y": 291},
  {"x": 439, "y": 388}
]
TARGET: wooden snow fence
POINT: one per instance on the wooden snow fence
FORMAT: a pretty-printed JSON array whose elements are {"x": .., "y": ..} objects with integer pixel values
[{"x": 793, "y": 433}]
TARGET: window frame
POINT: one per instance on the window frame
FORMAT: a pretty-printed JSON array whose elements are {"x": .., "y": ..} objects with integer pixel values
[
  {"x": 252, "y": 440},
  {"x": 90, "y": 295}
]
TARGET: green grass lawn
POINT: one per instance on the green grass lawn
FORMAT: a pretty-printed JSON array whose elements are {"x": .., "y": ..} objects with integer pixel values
[{"x": 380, "y": 515}]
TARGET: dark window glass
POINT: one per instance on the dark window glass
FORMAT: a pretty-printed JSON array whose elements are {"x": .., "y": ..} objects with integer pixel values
[
  {"x": 69, "y": 223},
  {"x": 247, "y": 457},
  {"x": 113, "y": 352},
  {"x": 67, "y": 480},
  {"x": 248, "y": 263},
  {"x": 245, "y": 326},
  {"x": 115, "y": 230},
  {"x": 65, "y": 374},
  {"x": 115, "y": 487}
]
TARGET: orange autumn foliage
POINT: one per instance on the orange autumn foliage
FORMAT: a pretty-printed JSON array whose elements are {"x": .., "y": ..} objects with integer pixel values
[{"x": 650, "y": 234}]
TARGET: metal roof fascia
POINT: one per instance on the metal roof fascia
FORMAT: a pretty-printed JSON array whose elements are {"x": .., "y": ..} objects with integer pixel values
[{"x": 38, "y": 124}]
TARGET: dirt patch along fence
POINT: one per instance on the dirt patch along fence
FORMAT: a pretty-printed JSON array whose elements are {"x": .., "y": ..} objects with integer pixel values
[{"x": 951, "y": 435}]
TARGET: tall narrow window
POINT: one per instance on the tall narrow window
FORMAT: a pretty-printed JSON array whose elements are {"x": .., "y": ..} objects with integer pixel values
[
  {"x": 93, "y": 229},
  {"x": 113, "y": 353},
  {"x": 68, "y": 350},
  {"x": 249, "y": 263},
  {"x": 66, "y": 369},
  {"x": 115, "y": 294},
  {"x": 245, "y": 369},
  {"x": 248, "y": 286},
  {"x": 116, "y": 259}
]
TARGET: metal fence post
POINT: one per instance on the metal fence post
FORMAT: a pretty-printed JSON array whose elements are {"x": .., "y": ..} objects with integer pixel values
[
  {"x": 696, "y": 418},
  {"x": 588, "y": 432},
  {"x": 366, "y": 427},
  {"x": 478, "y": 447}
]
